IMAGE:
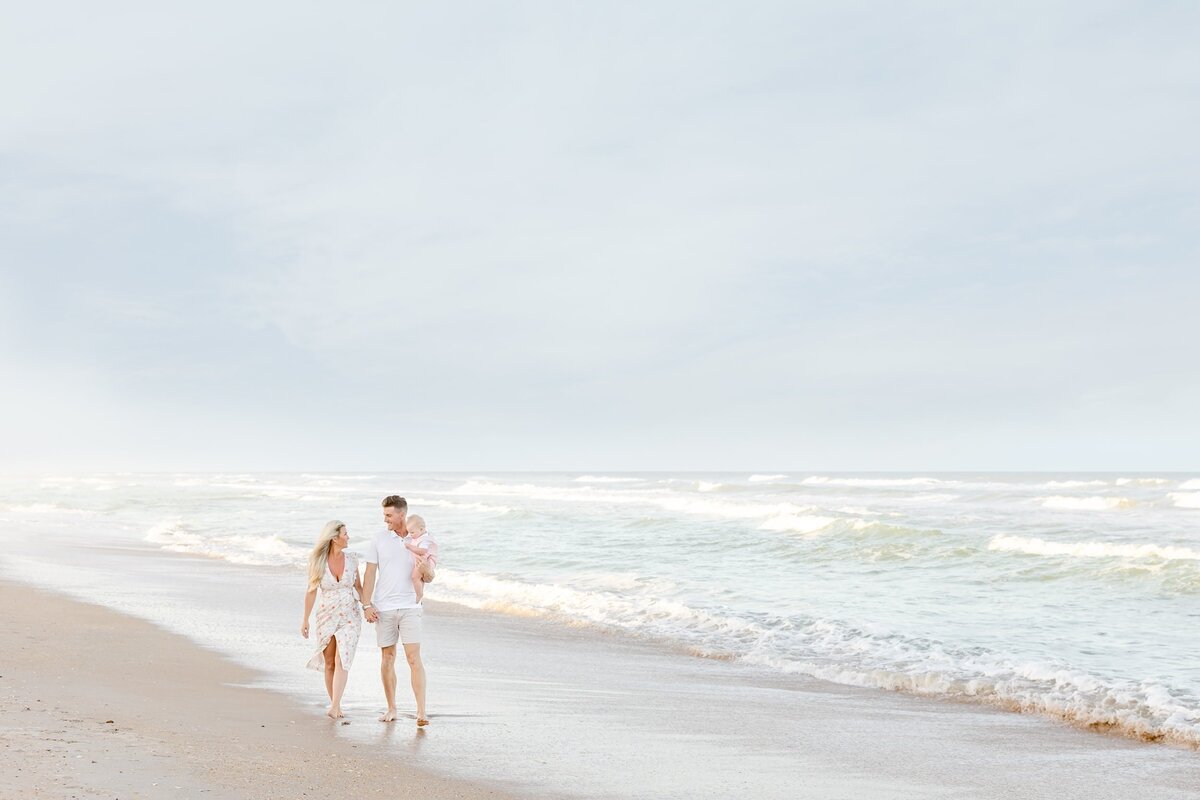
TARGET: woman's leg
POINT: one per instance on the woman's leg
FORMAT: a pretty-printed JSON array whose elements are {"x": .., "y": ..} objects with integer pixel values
[
  {"x": 331, "y": 659},
  {"x": 340, "y": 676}
]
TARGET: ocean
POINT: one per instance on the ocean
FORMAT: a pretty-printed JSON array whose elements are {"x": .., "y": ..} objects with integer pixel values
[{"x": 1071, "y": 596}]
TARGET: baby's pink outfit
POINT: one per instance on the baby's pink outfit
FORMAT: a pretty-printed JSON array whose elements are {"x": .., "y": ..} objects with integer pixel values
[{"x": 426, "y": 545}]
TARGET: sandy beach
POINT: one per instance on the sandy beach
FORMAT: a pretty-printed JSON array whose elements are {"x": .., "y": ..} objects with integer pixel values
[{"x": 96, "y": 704}]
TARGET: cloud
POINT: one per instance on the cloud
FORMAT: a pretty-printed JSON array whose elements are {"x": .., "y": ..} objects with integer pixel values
[{"x": 812, "y": 233}]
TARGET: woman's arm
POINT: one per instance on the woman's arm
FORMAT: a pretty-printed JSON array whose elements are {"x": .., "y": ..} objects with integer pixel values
[{"x": 309, "y": 599}]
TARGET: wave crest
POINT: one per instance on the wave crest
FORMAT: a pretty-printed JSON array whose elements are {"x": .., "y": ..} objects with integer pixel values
[
  {"x": 883, "y": 483},
  {"x": 1095, "y": 503},
  {"x": 1040, "y": 547},
  {"x": 267, "y": 551},
  {"x": 1185, "y": 499}
]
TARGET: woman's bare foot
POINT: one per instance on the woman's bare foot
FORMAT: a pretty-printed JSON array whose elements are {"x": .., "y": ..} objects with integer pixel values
[
  {"x": 422, "y": 722},
  {"x": 388, "y": 716},
  {"x": 334, "y": 713}
]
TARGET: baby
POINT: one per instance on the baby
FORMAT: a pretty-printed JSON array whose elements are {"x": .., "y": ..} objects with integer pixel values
[{"x": 425, "y": 554}]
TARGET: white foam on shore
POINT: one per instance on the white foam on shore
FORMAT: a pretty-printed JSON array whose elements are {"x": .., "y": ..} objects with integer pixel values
[
  {"x": 1142, "y": 481},
  {"x": 1086, "y": 503},
  {"x": 1074, "y": 484},
  {"x": 1188, "y": 485},
  {"x": 835, "y": 651},
  {"x": 1146, "y": 710},
  {"x": 1185, "y": 499},
  {"x": 1040, "y": 547}
]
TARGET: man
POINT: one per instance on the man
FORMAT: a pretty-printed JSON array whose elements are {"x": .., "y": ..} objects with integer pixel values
[{"x": 393, "y": 606}]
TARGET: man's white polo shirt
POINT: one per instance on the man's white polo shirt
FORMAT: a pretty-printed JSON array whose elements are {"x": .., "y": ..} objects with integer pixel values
[{"x": 393, "y": 582}]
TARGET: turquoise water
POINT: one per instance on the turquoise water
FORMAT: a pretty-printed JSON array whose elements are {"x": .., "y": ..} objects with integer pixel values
[{"x": 1065, "y": 595}]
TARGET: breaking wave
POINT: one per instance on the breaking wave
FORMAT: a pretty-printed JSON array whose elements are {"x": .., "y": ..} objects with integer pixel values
[
  {"x": 1186, "y": 499},
  {"x": 176, "y": 537},
  {"x": 1086, "y": 503},
  {"x": 1040, "y": 547}
]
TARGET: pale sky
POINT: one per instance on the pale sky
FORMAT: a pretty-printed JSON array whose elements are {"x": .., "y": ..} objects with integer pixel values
[{"x": 612, "y": 235}]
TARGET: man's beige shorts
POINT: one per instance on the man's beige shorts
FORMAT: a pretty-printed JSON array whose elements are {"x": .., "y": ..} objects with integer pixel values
[{"x": 403, "y": 625}]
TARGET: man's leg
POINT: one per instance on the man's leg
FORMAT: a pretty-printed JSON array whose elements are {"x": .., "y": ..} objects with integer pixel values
[
  {"x": 387, "y": 670},
  {"x": 417, "y": 672}
]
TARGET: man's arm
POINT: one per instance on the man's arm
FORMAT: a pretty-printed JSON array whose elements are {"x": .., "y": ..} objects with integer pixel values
[{"x": 368, "y": 590}]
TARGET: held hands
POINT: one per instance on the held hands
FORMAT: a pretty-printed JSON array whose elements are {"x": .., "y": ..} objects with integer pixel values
[{"x": 370, "y": 614}]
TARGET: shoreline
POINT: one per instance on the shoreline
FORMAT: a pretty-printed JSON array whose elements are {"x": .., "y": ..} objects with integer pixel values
[
  {"x": 521, "y": 706},
  {"x": 97, "y": 703}
]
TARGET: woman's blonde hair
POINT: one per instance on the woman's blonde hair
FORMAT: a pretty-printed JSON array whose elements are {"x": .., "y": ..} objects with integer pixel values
[{"x": 319, "y": 557}]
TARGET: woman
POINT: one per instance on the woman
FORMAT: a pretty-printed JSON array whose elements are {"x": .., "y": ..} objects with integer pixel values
[{"x": 339, "y": 616}]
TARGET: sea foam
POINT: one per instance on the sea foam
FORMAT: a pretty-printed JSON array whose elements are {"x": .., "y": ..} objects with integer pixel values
[
  {"x": 1086, "y": 503},
  {"x": 265, "y": 550},
  {"x": 1041, "y": 547},
  {"x": 1186, "y": 499},
  {"x": 883, "y": 483}
]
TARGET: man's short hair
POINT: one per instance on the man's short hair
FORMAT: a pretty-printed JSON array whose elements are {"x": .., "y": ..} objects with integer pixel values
[{"x": 395, "y": 501}]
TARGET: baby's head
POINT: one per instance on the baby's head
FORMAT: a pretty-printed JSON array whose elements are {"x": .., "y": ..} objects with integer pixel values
[{"x": 416, "y": 525}]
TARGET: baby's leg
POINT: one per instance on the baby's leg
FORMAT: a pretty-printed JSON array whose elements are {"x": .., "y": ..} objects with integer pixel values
[
  {"x": 427, "y": 571},
  {"x": 418, "y": 583}
]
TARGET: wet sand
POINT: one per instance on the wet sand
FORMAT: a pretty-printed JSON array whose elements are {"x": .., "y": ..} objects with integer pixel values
[{"x": 94, "y": 704}]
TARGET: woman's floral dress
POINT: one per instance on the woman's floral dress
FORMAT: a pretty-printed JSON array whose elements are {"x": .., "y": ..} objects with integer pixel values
[{"x": 338, "y": 615}]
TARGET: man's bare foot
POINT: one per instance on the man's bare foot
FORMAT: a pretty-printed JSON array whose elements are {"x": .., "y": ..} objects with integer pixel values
[
  {"x": 422, "y": 722},
  {"x": 388, "y": 716}
]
